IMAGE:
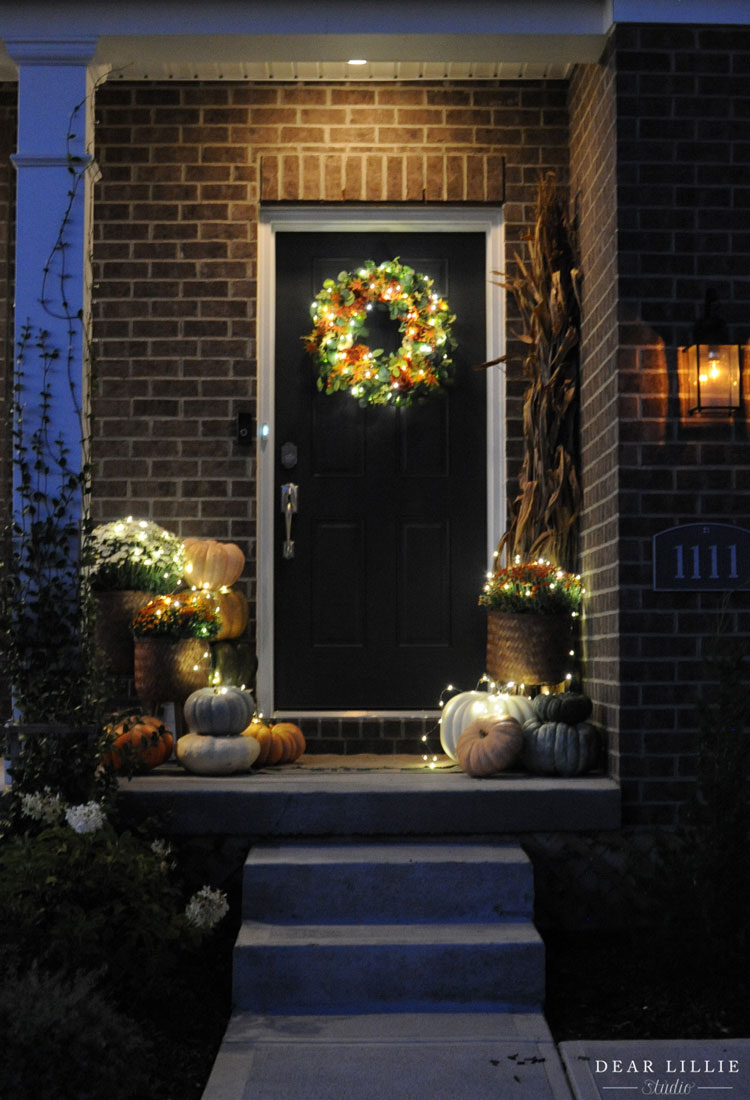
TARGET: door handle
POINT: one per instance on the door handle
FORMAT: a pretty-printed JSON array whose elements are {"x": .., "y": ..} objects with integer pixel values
[{"x": 289, "y": 498}]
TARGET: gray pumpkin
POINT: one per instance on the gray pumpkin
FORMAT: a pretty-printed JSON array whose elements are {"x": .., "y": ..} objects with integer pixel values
[
  {"x": 558, "y": 748},
  {"x": 563, "y": 706}
]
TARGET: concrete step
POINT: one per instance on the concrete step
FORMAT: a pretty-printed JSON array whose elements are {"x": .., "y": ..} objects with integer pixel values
[
  {"x": 348, "y": 882},
  {"x": 401, "y": 1056},
  {"x": 326, "y": 968}
]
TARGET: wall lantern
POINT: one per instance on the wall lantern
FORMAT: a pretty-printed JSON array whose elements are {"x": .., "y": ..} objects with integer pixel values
[
  {"x": 712, "y": 374},
  {"x": 710, "y": 368}
]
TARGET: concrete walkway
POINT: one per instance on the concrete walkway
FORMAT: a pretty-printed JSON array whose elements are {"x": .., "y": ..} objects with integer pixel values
[
  {"x": 397, "y": 1056},
  {"x": 465, "y": 1056}
]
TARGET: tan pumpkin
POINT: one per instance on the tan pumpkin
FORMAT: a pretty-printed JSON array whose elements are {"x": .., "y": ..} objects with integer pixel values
[
  {"x": 212, "y": 564},
  {"x": 490, "y": 745},
  {"x": 279, "y": 744},
  {"x": 234, "y": 612}
]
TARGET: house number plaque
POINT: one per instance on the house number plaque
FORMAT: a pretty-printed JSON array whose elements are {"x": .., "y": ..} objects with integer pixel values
[{"x": 702, "y": 557}]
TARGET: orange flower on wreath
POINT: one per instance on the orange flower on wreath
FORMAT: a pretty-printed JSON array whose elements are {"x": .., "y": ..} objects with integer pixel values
[{"x": 422, "y": 363}]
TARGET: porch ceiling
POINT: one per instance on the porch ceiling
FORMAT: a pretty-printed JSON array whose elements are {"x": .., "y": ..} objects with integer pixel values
[
  {"x": 295, "y": 40},
  {"x": 325, "y": 57},
  {"x": 290, "y": 41}
]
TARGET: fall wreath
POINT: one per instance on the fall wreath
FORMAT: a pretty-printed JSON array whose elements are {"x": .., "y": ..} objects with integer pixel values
[{"x": 420, "y": 366}]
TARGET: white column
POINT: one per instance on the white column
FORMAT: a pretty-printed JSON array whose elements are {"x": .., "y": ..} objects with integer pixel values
[{"x": 53, "y": 223}]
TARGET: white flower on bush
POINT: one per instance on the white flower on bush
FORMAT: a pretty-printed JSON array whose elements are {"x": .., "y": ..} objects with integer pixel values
[
  {"x": 43, "y": 806},
  {"x": 163, "y": 850},
  {"x": 86, "y": 818},
  {"x": 206, "y": 908}
]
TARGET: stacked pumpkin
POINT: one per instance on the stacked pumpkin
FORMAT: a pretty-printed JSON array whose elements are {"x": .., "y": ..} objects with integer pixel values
[
  {"x": 550, "y": 735},
  {"x": 215, "y": 718},
  {"x": 483, "y": 732},
  {"x": 212, "y": 567},
  {"x": 282, "y": 743},
  {"x": 558, "y": 739}
]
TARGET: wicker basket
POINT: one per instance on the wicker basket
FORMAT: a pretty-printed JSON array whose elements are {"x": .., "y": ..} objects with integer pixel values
[
  {"x": 528, "y": 649},
  {"x": 115, "y": 612},
  {"x": 167, "y": 671}
]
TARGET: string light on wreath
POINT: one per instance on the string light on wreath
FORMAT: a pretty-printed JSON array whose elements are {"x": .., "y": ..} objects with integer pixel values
[{"x": 421, "y": 365}]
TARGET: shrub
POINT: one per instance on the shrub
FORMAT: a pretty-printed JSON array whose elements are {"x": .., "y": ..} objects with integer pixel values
[
  {"x": 64, "y": 1040},
  {"x": 78, "y": 896}
]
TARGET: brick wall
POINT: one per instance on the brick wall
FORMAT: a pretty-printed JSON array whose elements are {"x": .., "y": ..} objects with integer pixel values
[
  {"x": 682, "y": 222},
  {"x": 593, "y": 166},
  {"x": 184, "y": 168}
]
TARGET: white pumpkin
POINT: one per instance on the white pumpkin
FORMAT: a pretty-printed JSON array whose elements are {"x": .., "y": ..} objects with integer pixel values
[
  {"x": 463, "y": 709},
  {"x": 460, "y": 711},
  {"x": 519, "y": 707},
  {"x": 202, "y": 754}
]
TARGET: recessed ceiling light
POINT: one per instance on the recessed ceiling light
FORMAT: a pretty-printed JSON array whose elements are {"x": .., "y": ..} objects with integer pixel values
[{"x": 357, "y": 61}]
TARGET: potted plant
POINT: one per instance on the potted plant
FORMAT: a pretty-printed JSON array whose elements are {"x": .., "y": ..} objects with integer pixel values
[
  {"x": 130, "y": 561},
  {"x": 172, "y": 656},
  {"x": 530, "y": 611}
]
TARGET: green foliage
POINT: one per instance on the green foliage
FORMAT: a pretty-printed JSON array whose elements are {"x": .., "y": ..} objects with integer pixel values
[
  {"x": 64, "y": 1040},
  {"x": 95, "y": 902},
  {"x": 80, "y": 895},
  {"x": 46, "y": 611},
  {"x": 65, "y": 759},
  {"x": 534, "y": 588}
]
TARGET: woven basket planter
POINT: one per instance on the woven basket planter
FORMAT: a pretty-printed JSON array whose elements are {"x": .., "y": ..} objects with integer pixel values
[
  {"x": 167, "y": 671},
  {"x": 115, "y": 612},
  {"x": 528, "y": 649}
]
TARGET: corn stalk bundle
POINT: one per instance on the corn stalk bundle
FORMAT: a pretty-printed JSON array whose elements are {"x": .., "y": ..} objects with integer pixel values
[{"x": 544, "y": 515}]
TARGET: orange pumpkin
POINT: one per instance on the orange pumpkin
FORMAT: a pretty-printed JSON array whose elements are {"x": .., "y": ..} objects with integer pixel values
[
  {"x": 141, "y": 740},
  {"x": 234, "y": 612},
  {"x": 490, "y": 745},
  {"x": 279, "y": 744},
  {"x": 212, "y": 564}
]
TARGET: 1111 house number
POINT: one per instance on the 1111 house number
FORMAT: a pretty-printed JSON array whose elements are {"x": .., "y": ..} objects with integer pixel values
[{"x": 701, "y": 557}]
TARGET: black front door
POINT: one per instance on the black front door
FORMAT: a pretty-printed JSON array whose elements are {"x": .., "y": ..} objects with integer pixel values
[{"x": 377, "y": 609}]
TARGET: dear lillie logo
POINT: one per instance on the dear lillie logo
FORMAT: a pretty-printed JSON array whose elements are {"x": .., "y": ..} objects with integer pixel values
[{"x": 669, "y": 1076}]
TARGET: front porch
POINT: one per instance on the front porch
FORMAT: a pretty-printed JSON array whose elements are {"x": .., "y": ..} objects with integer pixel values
[{"x": 387, "y": 943}]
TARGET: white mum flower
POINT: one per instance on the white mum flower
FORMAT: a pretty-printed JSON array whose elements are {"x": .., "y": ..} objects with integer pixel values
[
  {"x": 206, "y": 908},
  {"x": 86, "y": 818}
]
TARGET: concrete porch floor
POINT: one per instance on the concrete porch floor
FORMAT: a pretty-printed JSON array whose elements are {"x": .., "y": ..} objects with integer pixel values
[{"x": 291, "y": 800}]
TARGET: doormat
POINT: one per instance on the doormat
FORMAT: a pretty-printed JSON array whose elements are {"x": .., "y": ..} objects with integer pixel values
[{"x": 372, "y": 762}]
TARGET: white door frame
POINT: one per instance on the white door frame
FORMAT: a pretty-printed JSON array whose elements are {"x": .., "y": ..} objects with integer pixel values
[{"x": 363, "y": 219}]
